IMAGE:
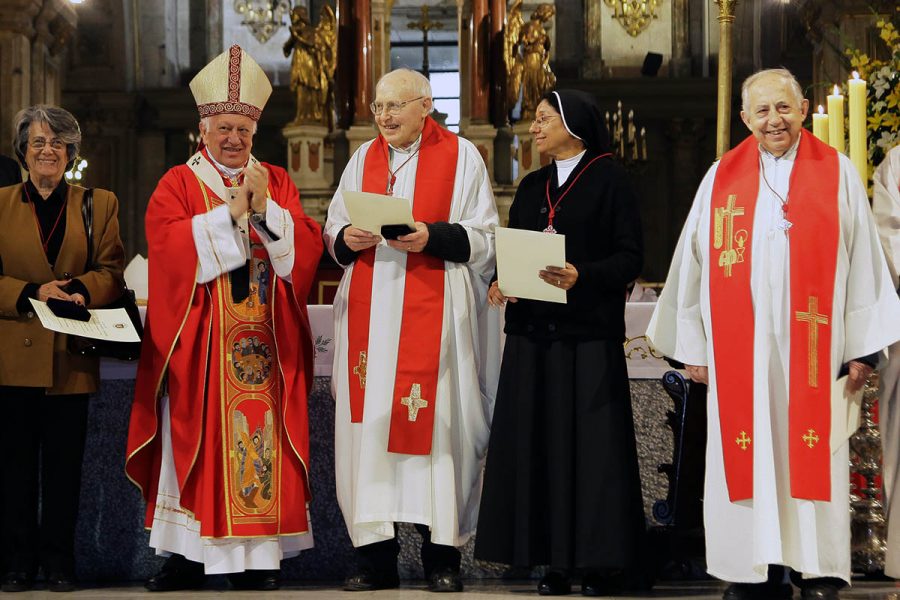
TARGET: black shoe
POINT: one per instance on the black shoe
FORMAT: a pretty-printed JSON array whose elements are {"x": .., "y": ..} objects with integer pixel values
[
  {"x": 819, "y": 591},
  {"x": 758, "y": 591},
  {"x": 17, "y": 581},
  {"x": 60, "y": 581},
  {"x": 366, "y": 580},
  {"x": 177, "y": 573},
  {"x": 599, "y": 584},
  {"x": 262, "y": 580},
  {"x": 445, "y": 580},
  {"x": 554, "y": 583}
]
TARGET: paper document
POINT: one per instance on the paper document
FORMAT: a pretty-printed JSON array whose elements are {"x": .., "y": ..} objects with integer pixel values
[
  {"x": 521, "y": 254},
  {"x": 370, "y": 211},
  {"x": 110, "y": 324},
  {"x": 845, "y": 412}
]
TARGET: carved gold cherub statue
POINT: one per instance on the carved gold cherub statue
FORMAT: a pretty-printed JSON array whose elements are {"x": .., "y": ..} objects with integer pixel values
[
  {"x": 527, "y": 57},
  {"x": 313, "y": 65}
]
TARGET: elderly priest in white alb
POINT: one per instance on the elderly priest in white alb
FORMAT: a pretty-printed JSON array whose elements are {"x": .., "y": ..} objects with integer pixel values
[
  {"x": 777, "y": 286},
  {"x": 414, "y": 395}
]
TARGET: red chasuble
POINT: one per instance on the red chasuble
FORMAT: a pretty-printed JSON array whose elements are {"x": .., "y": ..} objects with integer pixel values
[
  {"x": 812, "y": 208},
  {"x": 237, "y": 374},
  {"x": 418, "y": 356}
]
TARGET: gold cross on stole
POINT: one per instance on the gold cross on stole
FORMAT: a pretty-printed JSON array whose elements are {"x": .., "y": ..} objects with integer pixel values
[
  {"x": 743, "y": 441},
  {"x": 811, "y": 438},
  {"x": 724, "y": 233},
  {"x": 360, "y": 369},
  {"x": 414, "y": 401},
  {"x": 814, "y": 319}
]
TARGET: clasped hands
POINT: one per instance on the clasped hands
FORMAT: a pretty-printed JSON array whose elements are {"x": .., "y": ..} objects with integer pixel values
[
  {"x": 359, "y": 239},
  {"x": 562, "y": 277},
  {"x": 858, "y": 374},
  {"x": 252, "y": 193},
  {"x": 56, "y": 289}
]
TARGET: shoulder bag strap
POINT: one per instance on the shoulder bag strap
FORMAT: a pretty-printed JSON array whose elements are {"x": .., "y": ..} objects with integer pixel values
[{"x": 87, "y": 214}]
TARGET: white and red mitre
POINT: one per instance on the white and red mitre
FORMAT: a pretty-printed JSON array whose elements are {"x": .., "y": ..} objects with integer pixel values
[{"x": 231, "y": 83}]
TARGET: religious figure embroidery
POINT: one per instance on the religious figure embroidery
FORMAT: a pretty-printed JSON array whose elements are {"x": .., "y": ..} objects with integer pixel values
[
  {"x": 251, "y": 360},
  {"x": 724, "y": 235},
  {"x": 252, "y": 457},
  {"x": 814, "y": 319},
  {"x": 414, "y": 401}
]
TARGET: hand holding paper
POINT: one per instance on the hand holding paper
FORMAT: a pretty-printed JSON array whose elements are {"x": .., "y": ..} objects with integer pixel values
[
  {"x": 522, "y": 259},
  {"x": 369, "y": 212}
]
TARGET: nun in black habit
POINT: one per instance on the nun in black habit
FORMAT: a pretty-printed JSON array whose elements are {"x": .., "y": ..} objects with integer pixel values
[{"x": 561, "y": 485}]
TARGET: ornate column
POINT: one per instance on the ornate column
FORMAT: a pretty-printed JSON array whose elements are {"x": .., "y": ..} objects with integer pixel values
[
  {"x": 347, "y": 57},
  {"x": 592, "y": 65},
  {"x": 478, "y": 128},
  {"x": 364, "y": 92},
  {"x": 381, "y": 38},
  {"x": 723, "y": 121},
  {"x": 498, "y": 71},
  {"x": 33, "y": 34},
  {"x": 681, "y": 39}
]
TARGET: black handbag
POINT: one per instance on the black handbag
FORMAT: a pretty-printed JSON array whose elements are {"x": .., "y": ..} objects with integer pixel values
[{"x": 83, "y": 346}]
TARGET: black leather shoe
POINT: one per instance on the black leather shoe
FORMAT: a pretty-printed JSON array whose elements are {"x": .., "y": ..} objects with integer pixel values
[
  {"x": 554, "y": 583},
  {"x": 445, "y": 580},
  {"x": 259, "y": 580},
  {"x": 819, "y": 591},
  {"x": 60, "y": 581},
  {"x": 177, "y": 573},
  {"x": 366, "y": 580},
  {"x": 758, "y": 591},
  {"x": 601, "y": 584},
  {"x": 17, "y": 581}
]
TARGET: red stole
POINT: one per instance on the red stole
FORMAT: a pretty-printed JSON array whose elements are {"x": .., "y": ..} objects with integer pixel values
[
  {"x": 418, "y": 356},
  {"x": 813, "y": 204}
]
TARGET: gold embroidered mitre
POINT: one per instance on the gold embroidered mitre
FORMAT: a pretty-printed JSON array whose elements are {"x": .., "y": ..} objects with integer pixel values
[{"x": 232, "y": 83}]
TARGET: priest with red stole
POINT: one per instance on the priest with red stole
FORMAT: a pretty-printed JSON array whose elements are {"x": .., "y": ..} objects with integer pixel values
[
  {"x": 414, "y": 379},
  {"x": 218, "y": 441},
  {"x": 779, "y": 298}
]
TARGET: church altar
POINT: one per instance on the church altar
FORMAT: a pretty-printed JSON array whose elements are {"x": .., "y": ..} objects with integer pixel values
[{"x": 112, "y": 544}]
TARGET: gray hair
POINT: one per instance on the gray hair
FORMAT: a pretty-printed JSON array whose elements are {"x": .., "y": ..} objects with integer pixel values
[
  {"x": 413, "y": 81},
  {"x": 59, "y": 120},
  {"x": 206, "y": 120},
  {"x": 786, "y": 77}
]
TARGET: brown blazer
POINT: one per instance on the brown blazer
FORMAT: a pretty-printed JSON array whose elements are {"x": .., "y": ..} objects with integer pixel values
[{"x": 31, "y": 356}]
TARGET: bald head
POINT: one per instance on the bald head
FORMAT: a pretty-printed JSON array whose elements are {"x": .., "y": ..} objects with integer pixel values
[{"x": 402, "y": 103}]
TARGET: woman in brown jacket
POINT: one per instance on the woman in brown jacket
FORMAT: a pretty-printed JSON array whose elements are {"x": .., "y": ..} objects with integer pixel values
[{"x": 43, "y": 390}]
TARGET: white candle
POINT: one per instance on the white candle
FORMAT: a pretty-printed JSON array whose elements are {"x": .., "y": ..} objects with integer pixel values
[
  {"x": 859, "y": 153},
  {"x": 836, "y": 120}
]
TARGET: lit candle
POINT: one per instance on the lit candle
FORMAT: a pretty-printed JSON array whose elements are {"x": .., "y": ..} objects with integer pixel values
[
  {"x": 643, "y": 143},
  {"x": 820, "y": 124},
  {"x": 836, "y": 120},
  {"x": 859, "y": 153}
]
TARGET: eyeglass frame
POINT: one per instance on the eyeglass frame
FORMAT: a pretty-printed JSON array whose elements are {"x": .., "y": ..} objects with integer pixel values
[
  {"x": 543, "y": 123},
  {"x": 396, "y": 110},
  {"x": 40, "y": 143}
]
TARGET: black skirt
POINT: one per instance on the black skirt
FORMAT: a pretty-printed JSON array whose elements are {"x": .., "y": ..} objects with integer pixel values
[{"x": 561, "y": 485}]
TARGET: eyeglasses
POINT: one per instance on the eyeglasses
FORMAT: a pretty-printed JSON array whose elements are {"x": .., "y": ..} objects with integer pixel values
[
  {"x": 392, "y": 108},
  {"x": 39, "y": 143},
  {"x": 542, "y": 122}
]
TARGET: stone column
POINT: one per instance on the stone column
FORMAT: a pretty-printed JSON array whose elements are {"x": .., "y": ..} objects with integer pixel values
[
  {"x": 362, "y": 129},
  {"x": 478, "y": 129},
  {"x": 498, "y": 70},
  {"x": 681, "y": 39},
  {"x": 346, "y": 67},
  {"x": 592, "y": 65},
  {"x": 381, "y": 38},
  {"x": 33, "y": 34},
  {"x": 306, "y": 156}
]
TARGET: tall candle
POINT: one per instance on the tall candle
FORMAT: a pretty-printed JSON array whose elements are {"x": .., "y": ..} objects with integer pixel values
[
  {"x": 836, "y": 120},
  {"x": 859, "y": 153},
  {"x": 820, "y": 124}
]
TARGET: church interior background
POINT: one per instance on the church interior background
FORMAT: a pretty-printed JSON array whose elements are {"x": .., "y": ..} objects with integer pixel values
[{"x": 122, "y": 68}]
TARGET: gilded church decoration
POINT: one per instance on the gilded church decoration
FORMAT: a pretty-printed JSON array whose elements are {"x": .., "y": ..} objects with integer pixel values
[
  {"x": 526, "y": 56},
  {"x": 313, "y": 65},
  {"x": 634, "y": 15}
]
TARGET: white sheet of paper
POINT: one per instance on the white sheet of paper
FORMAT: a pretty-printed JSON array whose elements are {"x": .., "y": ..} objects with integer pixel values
[
  {"x": 136, "y": 276},
  {"x": 110, "y": 324},
  {"x": 521, "y": 254},
  {"x": 370, "y": 211},
  {"x": 845, "y": 412}
]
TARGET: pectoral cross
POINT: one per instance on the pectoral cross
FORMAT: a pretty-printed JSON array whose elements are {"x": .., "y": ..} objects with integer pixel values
[
  {"x": 814, "y": 319},
  {"x": 414, "y": 401},
  {"x": 724, "y": 234},
  {"x": 811, "y": 438},
  {"x": 425, "y": 25},
  {"x": 360, "y": 369},
  {"x": 743, "y": 440}
]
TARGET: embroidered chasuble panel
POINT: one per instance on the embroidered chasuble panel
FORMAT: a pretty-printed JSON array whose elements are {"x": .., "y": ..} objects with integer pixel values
[{"x": 251, "y": 425}]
